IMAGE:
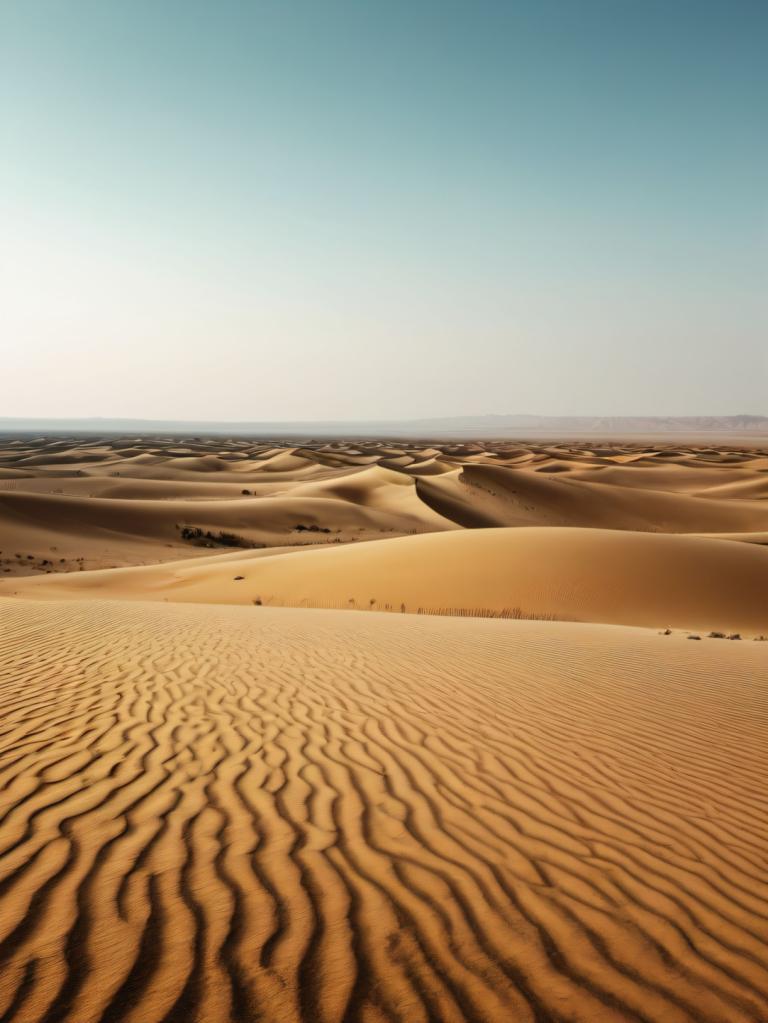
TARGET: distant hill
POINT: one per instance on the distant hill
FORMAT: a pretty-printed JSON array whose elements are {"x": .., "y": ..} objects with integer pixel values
[
  {"x": 605, "y": 425},
  {"x": 455, "y": 426}
]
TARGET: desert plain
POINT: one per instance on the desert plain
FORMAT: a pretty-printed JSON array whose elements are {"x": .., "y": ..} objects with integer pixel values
[{"x": 382, "y": 731}]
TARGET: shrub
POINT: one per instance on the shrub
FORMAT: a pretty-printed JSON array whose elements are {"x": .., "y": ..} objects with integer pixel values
[{"x": 206, "y": 538}]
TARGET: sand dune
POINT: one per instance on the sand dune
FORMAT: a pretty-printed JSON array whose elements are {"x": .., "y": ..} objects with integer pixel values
[
  {"x": 498, "y": 496},
  {"x": 216, "y": 814},
  {"x": 101, "y": 504},
  {"x": 270, "y": 514},
  {"x": 214, "y": 808},
  {"x": 118, "y": 530},
  {"x": 589, "y": 575}
]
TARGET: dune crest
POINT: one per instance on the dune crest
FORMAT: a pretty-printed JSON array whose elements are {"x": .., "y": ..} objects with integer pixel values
[
  {"x": 590, "y": 575},
  {"x": 104, "y": 503},
  {"x": 216, "y": 808}
]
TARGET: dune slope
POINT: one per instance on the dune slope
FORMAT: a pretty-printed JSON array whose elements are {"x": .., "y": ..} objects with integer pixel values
[
  {"x": 609, "y": 576},
  {"x": 67, "y": 504}
]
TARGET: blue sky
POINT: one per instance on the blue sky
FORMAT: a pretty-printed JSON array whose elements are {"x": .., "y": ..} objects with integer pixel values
[{"x": 327, "y": 210}]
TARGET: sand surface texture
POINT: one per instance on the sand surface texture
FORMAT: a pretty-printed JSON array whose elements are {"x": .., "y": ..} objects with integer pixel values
[
  {"x": 69, "y": 505},
  {"x": 594, "y": 575},
  {"x": 433, "y": 756},
  {"x": 213, "y": 814}
]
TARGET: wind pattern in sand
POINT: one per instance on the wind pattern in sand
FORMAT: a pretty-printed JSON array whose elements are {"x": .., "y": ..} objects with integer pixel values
[{"x": 212, "y": 814}]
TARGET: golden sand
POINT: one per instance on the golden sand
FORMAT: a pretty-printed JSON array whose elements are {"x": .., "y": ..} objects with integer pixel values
[{"x": 217, "y": 810}]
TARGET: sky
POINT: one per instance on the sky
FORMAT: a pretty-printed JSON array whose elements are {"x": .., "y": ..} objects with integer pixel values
[{"x": 383, "y": 208}]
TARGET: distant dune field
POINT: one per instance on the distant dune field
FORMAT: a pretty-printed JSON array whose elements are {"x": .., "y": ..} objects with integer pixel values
[
  {"x": 400, "y": 733},
  {"x": 99, "y": 504}
]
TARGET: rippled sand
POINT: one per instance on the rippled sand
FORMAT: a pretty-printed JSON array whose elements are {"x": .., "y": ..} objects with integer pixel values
[{"x": 226, "y": 813}]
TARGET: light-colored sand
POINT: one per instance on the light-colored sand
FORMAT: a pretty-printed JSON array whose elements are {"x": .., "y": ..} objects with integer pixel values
[
  {"x": 216, "y": 813},
  {"x": 212, "y": 813},
  {"x": 592, "y": 575},
  {"x": 101, "y": 504}
]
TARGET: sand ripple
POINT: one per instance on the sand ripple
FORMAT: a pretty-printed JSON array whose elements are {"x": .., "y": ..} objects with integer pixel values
[{"x": 222, "y": 813}]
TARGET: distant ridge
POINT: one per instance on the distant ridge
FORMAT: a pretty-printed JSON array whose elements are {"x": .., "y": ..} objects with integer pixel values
[{"x": 486, "y": 426}]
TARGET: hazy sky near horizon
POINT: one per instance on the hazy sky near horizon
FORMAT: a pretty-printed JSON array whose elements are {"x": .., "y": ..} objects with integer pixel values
[{"x": 363, "y": 209}]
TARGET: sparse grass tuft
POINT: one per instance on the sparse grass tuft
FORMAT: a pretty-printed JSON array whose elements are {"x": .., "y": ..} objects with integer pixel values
[{"x": 206, "y": 538}]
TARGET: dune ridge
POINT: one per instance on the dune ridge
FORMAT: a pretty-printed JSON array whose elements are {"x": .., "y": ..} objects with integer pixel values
[
  {"x": 590, "y": 575},
  {"x": 216, "y": 808},
  {"x": 117, "y": 502}
]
